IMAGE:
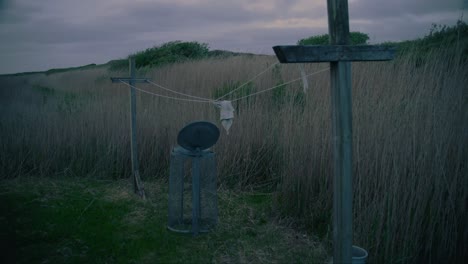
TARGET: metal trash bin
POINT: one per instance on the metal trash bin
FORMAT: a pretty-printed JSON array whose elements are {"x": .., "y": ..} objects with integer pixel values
[{"x": 193, "y": 200}]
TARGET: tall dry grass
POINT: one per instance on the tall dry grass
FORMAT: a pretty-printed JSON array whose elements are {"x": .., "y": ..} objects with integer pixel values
[{"x": 410, "y": 145}]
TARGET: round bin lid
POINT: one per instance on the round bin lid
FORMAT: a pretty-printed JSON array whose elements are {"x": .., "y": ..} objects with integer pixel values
[{"x": 201, "y": 135}]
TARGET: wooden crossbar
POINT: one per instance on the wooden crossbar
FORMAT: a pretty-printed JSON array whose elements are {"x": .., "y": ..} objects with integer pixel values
[
  {"x": 331, "y": 53},
  {"x": 127, "y": 80}
]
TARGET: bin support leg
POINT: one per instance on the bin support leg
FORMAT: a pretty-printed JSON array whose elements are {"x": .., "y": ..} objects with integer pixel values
[{"x": 195, "y": 195}]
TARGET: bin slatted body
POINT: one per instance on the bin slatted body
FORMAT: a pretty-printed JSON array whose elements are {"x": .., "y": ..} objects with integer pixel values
[{"x": 193, "y": 202}]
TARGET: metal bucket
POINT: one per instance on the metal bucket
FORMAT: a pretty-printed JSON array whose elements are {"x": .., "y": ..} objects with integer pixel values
[
  {"x": 359, "y": 255},
  {"x": 193, "y": 202}
]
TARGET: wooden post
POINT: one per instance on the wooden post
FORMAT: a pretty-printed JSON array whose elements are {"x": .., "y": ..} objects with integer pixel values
[
  {"x": 138, "y": 188},
  {"x": 133, "y": 143},
  {"x": 340, "y": 54},
  {"x": 137, "y": 184},
  {"x": 341, "y": 108}
]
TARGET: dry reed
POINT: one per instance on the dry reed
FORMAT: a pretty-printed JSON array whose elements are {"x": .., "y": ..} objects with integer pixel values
[{"x": 410, "y": 145}]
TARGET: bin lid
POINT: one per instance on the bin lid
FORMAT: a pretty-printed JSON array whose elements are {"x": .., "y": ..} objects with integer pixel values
[{"x": 198, "y": 135}]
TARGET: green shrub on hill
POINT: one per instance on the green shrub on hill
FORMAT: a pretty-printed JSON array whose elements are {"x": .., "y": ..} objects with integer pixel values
[
  {"x": 170, "y": 52},
  {"x": 440, "y": 36},
  {"x": 355, "y": 38}
]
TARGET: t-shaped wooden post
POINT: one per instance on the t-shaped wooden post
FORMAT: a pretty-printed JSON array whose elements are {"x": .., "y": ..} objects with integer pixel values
[{"x": 339, "y": 53}]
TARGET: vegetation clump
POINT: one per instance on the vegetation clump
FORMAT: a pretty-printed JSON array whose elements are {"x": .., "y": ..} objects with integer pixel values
[
  {"x": 170, "y": 52},
  {"x": 440, "y": 36},
  {"x": 355, "y": 38}
]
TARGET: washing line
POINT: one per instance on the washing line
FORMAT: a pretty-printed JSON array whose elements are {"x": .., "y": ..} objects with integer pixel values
[
  {"x": 244, "y": 84},
  {"x": 179, "y": 93},
  {"x": 164, "y": 96},
  {"x": 226, "y": 109},
  {"x": 218, "y": 99},
  {"x": 271, "y": 88},
  {"x": 205, "y": 100}
]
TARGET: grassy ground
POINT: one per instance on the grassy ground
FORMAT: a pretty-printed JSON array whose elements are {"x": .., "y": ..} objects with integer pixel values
[{"x": 92, "y": 221}]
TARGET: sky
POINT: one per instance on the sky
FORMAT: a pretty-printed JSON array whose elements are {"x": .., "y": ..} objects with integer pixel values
[{"x": 37, "y": 35}]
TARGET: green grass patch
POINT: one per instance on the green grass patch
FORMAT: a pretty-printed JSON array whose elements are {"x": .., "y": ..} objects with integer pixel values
[{"x": 91, "y": 221}]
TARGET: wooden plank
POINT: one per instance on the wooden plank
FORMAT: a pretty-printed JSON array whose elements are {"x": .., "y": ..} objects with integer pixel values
[
  {"x": 133, "y": 143},
  {"x": 329, "y": 53},
  {"x": 340, "y": 76},
  {"x": 138, "y": 186},
  {"x": 340, "y": 54},
  {"x": 338, "y": 22},
  {"x": 126, "y": 79}
]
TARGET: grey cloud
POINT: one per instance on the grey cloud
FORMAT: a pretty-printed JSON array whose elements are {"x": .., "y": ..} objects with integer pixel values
[
  {"x": 56, "y": 33},
  {"x": 161, "y": 18},
  {"x": 14, "y": 12},
  {"x": 4, "y": 4},
  {"x": 388, "y": 29},
  {"x": 169, "y": 16},
  {"x": 166, "y": 18}
]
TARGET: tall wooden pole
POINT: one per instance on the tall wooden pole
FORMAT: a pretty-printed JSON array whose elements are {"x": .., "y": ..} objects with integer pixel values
[
  {"x": 340, "y": 54},
  {"x": 340, "y": 74},
  {"x": 133, "y": 142},
  {"x": 138, "y": 187},
  {"x": 137, "y": 184}
]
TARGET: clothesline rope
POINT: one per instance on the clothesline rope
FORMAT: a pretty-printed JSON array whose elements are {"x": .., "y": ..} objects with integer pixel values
[
  {"x": 205, "y": 100},
  {"x": 210, "y": 100},
  {"x": 271, "y": 88},
  {"x": 164, "y": 96},
  {"x": 244, "y": 84},
  {"x": 179, "y": 93}
]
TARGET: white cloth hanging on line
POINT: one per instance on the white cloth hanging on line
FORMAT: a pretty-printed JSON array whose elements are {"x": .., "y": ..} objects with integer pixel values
[
  {"x": 226, "y": 113},
  {"x": 305, "y": 83}
]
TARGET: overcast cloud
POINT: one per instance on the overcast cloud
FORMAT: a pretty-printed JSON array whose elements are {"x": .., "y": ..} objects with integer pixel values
[{"x": 39, "y": 35}]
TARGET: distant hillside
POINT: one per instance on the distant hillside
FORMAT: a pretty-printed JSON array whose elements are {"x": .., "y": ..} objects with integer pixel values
[
  {"x": 177, "y": 51},
  {"x": 171, "y": 52},
  {"x": 52, "y": 71},
  {"x": 440, "y": 36}
]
